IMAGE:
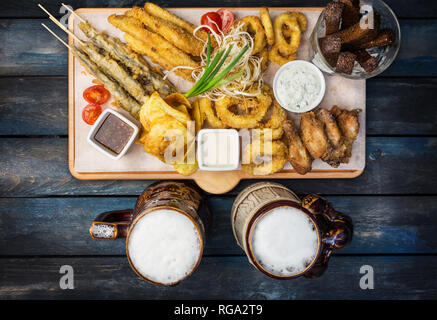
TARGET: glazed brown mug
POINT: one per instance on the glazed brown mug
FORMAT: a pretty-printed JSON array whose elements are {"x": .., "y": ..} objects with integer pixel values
[
  {"x": 285, "y": 237},
  {"x": 165, "y": 232}
]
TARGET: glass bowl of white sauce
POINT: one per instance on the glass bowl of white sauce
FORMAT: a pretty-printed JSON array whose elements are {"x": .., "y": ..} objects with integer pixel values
[{"x": 299, "y": 86}]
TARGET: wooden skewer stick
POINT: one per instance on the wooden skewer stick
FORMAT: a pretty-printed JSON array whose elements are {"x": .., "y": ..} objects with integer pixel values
[
  {"x": 74, "y": 13},
  {"x": 60, "y": 25},
  {"x": 56, "y": 36}
]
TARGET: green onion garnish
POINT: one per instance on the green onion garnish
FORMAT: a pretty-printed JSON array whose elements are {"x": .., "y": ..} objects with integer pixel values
[{"x": 209, "y": 80}]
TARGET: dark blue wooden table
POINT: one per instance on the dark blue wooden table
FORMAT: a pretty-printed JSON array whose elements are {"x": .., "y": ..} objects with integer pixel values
[{"x": 45, "y": 213}]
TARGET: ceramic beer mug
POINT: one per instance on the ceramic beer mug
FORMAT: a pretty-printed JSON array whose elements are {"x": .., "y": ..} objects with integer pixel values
[
  {"x": 284, "y": 237},
  {"x": 165, "y": 232}
]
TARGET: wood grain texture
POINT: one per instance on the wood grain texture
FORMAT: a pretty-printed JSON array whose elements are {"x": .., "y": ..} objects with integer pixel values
[
  {"x": 38, "y": 106},
  {"x": 413, "y": 277},
  {"x": 28, "y": 8},
  {"x": 38, "y": 167},
  {"x": 28, "y": 49},
  {"x": 59, "y": 226}
]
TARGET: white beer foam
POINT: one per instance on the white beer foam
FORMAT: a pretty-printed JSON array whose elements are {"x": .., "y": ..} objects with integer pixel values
[
  {"x": 164, "y": 246},
  {"x": 284, "y": 241}
]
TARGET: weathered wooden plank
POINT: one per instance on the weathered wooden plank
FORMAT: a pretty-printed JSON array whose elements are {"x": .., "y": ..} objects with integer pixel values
[
  {"x": 38, "y": 106},
  {"x": 411, "y": 277},
  {"x": 59, "y": 226},
  {"x": 33, "y": 106},
  {"x": 28, "y": 49},
  {"x": 28, "y": 8},
  {"x": 38, "y": 167}
]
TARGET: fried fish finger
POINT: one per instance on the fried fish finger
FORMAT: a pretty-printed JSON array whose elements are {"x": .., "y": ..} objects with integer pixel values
[
  {"x": 152, "y": 42},
  {"x": 174, "y": 34}
]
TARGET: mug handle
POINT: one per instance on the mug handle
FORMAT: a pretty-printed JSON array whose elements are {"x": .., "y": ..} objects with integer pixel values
[
  {"x": 339, "y": 233},
  {"x": 111, "y": 225}
]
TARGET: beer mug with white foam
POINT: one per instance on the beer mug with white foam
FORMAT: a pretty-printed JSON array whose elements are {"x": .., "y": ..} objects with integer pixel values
[
  {"x": 284, "y": 237},
  {"x": 165, "y": 232}
]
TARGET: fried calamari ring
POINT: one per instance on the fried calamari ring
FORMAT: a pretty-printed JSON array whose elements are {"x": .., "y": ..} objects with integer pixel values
[
  {"x": 256, "y": 110},
  {"x": 301, "y": 19},
  {"x": 254, "y": 160},
  {"x": 206, "y": 109},
  {"x": 284, "y": 45},
  {"x": 276, "y": 56},
  {"x": 267, "y": 24},
  {"x": 252, "y": 25},
  {"x": 278, "y": 116},
  {"x": 275, "y": 133}
]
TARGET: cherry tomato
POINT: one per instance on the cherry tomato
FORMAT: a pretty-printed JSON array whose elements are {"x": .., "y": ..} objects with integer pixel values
[
  {"x": 227, "y": 19},
  {"x": 96, "y": 94},
  {"x": 213, "y": 20},
  {"x": 91, "y": 112}
]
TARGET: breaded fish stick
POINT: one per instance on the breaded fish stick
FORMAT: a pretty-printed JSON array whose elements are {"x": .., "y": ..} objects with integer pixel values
[
  {"x": 157, "y": 11},
  {"x": 165, "y": 52},
  {"x": 144, "y": 49},
  {"x": 120, "y": 95},
  {"x": 169, "y": 31},
  {"x": 140, "y": 68}
]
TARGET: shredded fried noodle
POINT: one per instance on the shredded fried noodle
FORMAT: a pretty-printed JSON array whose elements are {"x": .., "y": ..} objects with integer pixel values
[{"x": 250, "y": 80}]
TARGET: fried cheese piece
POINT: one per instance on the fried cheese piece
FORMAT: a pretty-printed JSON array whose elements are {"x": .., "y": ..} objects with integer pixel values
[
  {"x": 176, "y": 35},
  {"x": 153, "y": 45},
  {"x": 298, "y": 155},
  {"x": 313, "y": 135}
]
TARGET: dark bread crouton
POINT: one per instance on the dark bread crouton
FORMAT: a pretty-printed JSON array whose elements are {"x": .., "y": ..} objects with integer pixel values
[
  {"x": 345, "y": 62},
  {"x": 351, "y": 13},
  {"x": 366, "y": 61},
  {"x": 333, "y": 13}
]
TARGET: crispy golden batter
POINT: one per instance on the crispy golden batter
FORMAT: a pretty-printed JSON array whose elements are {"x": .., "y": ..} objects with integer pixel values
[
  {"x": 157, "y": 11},
  {"x": 337, "y": 148},
  {"x": 264, "y": 157},
  {"x": 267, "y": 24},
  {"x": 253, "y": 26},
  {"x": 207, "y": 110},
  {"x": 153, "y": 45},
  {"x": 349, "y": 126},
  {"x": 313, "y": 135},
  {"x": 174, "y": 34},
  {"x": 298, "y": 155}
]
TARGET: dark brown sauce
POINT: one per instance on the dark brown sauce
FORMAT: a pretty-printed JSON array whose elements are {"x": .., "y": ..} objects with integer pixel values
[{"x": 113, "y": 133}]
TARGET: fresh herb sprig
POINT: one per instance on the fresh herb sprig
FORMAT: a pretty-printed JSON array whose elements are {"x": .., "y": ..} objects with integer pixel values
[{"x": 210, "y": 80}]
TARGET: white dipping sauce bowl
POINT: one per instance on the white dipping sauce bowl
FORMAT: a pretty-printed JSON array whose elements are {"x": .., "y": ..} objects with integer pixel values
[{"x": 316, "y": 70}]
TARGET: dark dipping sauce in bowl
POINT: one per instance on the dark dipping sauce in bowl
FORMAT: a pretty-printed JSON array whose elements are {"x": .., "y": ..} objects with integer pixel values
[{"x": 113, "y": 133}]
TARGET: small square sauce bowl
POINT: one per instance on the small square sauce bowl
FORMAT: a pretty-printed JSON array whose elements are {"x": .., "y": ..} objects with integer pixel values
[
  {"x": 218, "y": 149},
  {"x": 113, "y": 134}
]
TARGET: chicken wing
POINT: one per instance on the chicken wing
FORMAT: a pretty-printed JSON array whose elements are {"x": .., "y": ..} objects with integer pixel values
[
  {"x": 349, "y": 126},
  {"x": 298, "y": 155},
  {"x": 313, "y": 135},
  {"x": 337, "y": 148}
]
